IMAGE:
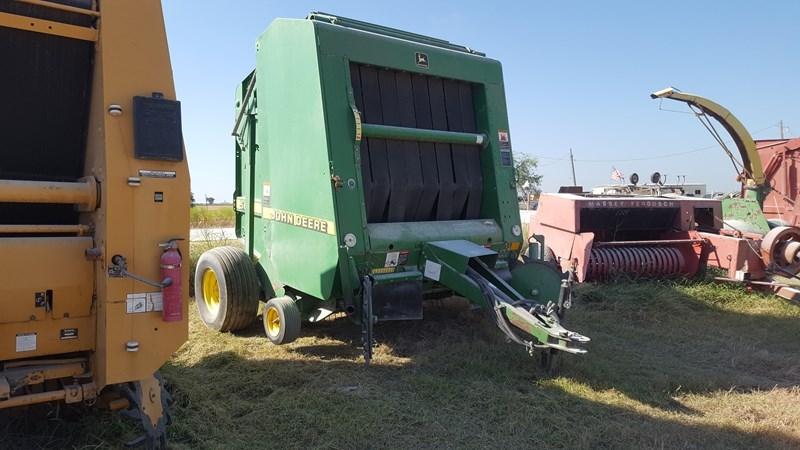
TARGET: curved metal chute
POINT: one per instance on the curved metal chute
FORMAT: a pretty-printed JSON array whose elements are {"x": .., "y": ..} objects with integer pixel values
[{"x": 744, "y": 142}]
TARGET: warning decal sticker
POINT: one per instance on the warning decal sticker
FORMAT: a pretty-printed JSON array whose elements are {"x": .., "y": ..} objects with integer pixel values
[
  {"x": 505, "y": 148},
  {"x": 26, "y": 342},
  {"x": 142, "y": 302}
]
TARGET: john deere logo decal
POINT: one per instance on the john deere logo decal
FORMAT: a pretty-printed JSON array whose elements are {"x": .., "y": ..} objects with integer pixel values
[{"x": 422, "y": 60}]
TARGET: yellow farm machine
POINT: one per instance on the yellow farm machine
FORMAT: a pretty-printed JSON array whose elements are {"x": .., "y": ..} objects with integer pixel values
[{"x": 94, "y": 198}]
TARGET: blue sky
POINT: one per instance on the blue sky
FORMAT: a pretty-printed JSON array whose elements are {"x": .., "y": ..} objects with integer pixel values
[{"x": 578, "y": 75}]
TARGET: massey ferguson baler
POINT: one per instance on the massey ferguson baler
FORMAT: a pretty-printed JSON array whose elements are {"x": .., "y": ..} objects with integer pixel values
[
  {"x": 374, "y": 170},
  {"x": 94, "y": 207},
  {"x": 603, "y": 237}
]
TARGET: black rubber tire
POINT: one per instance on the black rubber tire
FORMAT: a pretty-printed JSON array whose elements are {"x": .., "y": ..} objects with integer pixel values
[
  {"x": 290, "y": 320},
  {"x": 239, "y": 290}
]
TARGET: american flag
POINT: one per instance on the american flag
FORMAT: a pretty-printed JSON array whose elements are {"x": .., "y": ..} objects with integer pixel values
[{"x": 617, "y": 174}]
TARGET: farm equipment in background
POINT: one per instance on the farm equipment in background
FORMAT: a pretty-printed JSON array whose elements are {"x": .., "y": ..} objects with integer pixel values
[
  {"x": 759, "y": 243},
  {"x": 94, "y": 198},
  {"x": 602, "y": 237},
  {"x": 373, "y": 172}
]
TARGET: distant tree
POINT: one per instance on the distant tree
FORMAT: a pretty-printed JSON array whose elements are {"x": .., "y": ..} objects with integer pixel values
[
  {"x": 209, "y": 200},
  {"x": 192, "y": 201},
  {"x": 525, "y": 176}
]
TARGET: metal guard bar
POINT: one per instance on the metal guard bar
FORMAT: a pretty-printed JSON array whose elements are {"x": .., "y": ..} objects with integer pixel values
[
  {"x": 371, "y": 130},
  {"x": 742, "y": 138},
  {"x": 633, "y": 243},
  {"x": 80, "y": 230},
  {"x": 386, "y": 31},
  {"x": 86, "y": 9},
  {"x": 83, "y": 193}
]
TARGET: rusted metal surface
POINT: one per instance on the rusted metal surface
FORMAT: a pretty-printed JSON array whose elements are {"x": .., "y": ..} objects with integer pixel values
[
  {"x": 83, "y": 193},
  {"x": 80, "y": 230},
  {"x": 781, "y": 159},
  {"x": 637, "y": 261},
  {"x": 740, "y": 256},
  {"x": 780, "y": 249}
]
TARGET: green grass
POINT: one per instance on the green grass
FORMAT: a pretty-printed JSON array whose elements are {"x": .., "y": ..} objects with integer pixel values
[
  {"x": 671, "y": 365},
  {"x": 213, "y": 216}
]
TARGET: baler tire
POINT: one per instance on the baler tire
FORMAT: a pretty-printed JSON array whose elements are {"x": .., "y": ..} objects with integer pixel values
[
  {"x": 289, "y": 320},
  {"x": 238, "y": 289}
]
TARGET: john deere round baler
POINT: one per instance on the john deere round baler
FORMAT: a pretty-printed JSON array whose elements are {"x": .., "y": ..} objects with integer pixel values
[{"x": 374, "y": 170}]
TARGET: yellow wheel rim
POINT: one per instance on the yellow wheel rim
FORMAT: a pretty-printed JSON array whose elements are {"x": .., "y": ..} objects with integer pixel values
[
  {"x": 211, "y": 291},
  {"x": 273, "y": 321}
]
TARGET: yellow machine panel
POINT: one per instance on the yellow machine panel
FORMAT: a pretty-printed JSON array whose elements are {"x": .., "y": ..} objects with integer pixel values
[
  {"x": 94, "y": 205},
  {"x": 48, "y": 296}
]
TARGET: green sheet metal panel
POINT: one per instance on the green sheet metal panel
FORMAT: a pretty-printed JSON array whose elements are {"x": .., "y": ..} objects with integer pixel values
[
  {"x": 303, "y": 117},
  {"x": 292, "y": 171},
  {"x": 339, "y": 46}
]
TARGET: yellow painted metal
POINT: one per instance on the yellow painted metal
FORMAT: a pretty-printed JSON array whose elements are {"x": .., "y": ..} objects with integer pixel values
[
  {"x": 152, "y": 406},
  {"x": 61, "y": 7},
  {"x": 80, "y": 230},
  {"x": 38, "y": 374},
  {"x": 32, "y": 267},
  {"x": 32, "y": 399},
  {"x": 211, "y": 291},
  {"x": 742, "y": 138},
  {"x": 132, "y": 59},
  {"x": 47, "y": 27},
  {"x": 71, "y": 394},
  {"x": 82, "y": 193},
  {"x": 273, "y": 321}
]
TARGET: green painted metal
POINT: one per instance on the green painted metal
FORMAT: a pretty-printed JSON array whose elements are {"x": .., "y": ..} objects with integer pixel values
[
  {"x": 401, "y": 235},
  {"x": 741, "y": 137},
  {"x": 536, "y": 280},
  {"x": 299, "y": 190},
  {"x": 387, "y": 31},
  {"x": 458, "y": 253},
  {"x": 422, "y": 135},
  {"x": 745, "y": 214}
]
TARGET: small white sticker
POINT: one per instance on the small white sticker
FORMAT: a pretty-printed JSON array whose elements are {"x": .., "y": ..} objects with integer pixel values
[
  {"x": 433, "y": 270},
  {"x": 392, "y": 259},
  {"x": 26, "y": 342},
  {"x": 142, "y": 302}
]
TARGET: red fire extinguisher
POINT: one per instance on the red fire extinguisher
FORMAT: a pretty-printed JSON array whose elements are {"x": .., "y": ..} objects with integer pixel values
[{"x": 171, "y": 284}]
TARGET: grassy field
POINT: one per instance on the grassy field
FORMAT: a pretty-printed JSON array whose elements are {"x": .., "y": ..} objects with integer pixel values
[
  {"x": 671, "y": 365},
  {"x": 211, "y": 216}
]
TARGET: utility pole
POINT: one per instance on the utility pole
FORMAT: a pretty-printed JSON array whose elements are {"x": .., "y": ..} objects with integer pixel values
[
  {"x": 572, "y": 163},
  {"x": 780, "y": 124}
]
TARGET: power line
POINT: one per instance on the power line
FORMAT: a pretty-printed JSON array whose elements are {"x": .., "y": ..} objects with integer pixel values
[{"x": 646, "y": 158}]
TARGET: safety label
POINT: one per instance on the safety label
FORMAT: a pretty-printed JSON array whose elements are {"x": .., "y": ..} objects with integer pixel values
[
  {"x": 68, "y": 334},
  {"x": 433, "y": 270},
  {"x": 157, "y": 173},
  {"x": 505, "y": 148},
  {"x": 142, "y": 302},
  {"x": 392, "y": 259},
  {"x": 403, "y": 258},
  {"x": 266, "y": 195},
  {"x": 26, "y": 342}
]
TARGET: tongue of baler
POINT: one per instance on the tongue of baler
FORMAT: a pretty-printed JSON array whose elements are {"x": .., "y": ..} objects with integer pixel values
[{"x": 465, "y": 267}]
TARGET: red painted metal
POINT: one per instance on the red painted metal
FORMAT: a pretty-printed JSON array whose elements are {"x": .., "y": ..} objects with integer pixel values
[
  {"x": 739, "y": 255},
  {"x": 781, "y": 161},
  {"x": 656, "y": 261},
  {"x": 600, "y": 237}
]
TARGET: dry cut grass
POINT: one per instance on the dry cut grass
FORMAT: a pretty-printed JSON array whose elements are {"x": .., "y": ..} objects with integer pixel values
[
  {"x": 671, "y": 365},
  {"x": 211, "y": 216}
]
